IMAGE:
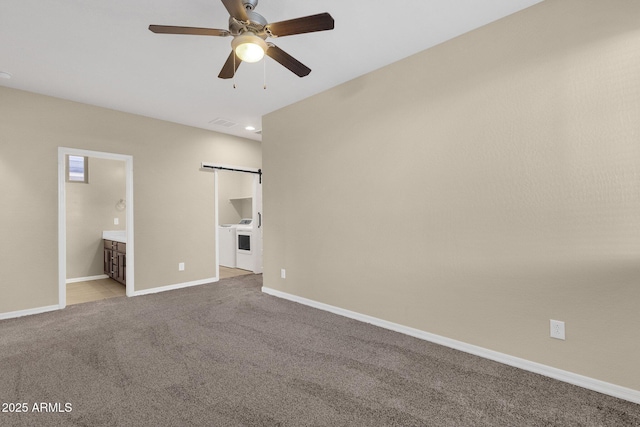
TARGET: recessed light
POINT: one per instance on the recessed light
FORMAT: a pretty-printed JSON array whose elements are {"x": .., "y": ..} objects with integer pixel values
[
  {"x": 5, "y": 75},
  {"x": 250, "y": 128}
]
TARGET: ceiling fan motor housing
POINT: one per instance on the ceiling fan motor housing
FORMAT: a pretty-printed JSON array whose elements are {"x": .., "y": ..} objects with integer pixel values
[{"x": 256, "y": 25}]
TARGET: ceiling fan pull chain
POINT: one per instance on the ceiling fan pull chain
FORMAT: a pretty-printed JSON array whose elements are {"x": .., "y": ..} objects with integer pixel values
[{"x": 265, "y": 73}]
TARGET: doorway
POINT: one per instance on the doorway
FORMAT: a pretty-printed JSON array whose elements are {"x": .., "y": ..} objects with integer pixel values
[
  {"x": 125, "y": 204},
  {"x": 247, "y": 202}
]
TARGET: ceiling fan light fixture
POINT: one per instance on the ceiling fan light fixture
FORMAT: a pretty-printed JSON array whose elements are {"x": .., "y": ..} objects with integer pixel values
[{"x": 249, "y": 47}]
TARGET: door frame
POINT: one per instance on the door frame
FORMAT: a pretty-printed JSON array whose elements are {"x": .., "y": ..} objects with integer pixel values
[
  {"x": 62, "y": 216},
  {"x": 256, "y": 209}
]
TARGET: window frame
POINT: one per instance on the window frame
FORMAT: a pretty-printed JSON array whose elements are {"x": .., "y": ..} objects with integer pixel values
[{"x": 85, "y": 172}]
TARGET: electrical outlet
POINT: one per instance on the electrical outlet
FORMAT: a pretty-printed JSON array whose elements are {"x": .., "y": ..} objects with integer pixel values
[
  {"x": 181, "y": 266},
  {"x": 116, "y": 221},
  {"x": 283, "y": 273},
  {"x": 556, "y": 329}
]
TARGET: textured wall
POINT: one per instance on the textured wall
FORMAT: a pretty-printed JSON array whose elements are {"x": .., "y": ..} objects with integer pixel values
[
  {"x": 477, "y": 189},
  {"x": 173, "y": 199}
]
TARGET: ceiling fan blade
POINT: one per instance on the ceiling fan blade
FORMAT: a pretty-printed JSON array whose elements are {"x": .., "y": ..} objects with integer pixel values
[
  {"x": 307, "y": 24},
  {"x": 288, "y": 61},
  {"x": 170, "y": 29},
  {"x": 236, "y": 9},
  {"x": 228, "y": 69}
]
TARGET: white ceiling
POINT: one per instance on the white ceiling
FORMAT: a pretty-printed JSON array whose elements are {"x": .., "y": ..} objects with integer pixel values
[{"x": 102, "y": 53}]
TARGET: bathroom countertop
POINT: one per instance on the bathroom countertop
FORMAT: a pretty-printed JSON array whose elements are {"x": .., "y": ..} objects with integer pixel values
[{"x": 116, "y": 235}]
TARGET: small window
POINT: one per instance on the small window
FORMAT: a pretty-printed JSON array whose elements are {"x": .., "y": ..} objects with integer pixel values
[{"x": 77, "y": 169}]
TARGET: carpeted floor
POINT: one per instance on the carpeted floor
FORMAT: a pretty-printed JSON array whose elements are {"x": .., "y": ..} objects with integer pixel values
[{"x": 225, "y": 354}]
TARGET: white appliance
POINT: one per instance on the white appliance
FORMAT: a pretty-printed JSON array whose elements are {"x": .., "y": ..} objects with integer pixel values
[
  {"x": 244, "y": 251},
  {"x": 227, "y": 243}
]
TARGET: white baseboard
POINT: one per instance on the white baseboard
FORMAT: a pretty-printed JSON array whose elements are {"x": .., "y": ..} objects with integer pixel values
[
  {"x": 20, "y": 313},
  {"x": 38, "y": 310},
  {"x": 28, "y": 312},
  {"x": 548, "y": 371},
  {"x": 86, "y": 279},
  {"x": 174, "y": 287}
]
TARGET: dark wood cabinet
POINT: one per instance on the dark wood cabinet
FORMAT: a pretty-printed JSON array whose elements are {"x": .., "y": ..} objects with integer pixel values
[{"x": 115, "y": 260}]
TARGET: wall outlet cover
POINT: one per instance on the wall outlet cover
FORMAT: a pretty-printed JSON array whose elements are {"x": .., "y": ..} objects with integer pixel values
[
  {"x": 556, "y": 329},
  {"x": 181, "y": 266},
  {"x": 283, "y": 273}
]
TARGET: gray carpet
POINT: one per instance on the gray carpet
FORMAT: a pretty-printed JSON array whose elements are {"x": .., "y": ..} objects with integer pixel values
[{"x": 225, "y": 354}]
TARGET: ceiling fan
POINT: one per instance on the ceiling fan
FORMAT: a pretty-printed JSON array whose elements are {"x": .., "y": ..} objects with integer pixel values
[{"x": 250, "y": 30}]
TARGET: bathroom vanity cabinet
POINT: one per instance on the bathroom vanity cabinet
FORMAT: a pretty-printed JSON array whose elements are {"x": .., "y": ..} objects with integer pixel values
[{"x": 115, "y": 260}]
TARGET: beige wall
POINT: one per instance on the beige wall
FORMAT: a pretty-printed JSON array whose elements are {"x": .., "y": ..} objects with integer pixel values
[
  {"x": 173, "y": 199},
  {"x": 477, "y": 189},
  {"x": 233, "y": 190},
  {"x": 91, "y": 208}
]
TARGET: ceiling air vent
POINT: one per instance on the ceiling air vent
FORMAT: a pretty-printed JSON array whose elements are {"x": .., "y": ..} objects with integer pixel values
[{"x": 223, "y": 122}]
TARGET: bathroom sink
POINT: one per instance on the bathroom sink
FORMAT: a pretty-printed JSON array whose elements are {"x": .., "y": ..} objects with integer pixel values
[{"x": 116, "y": 235}]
